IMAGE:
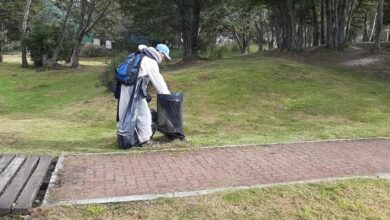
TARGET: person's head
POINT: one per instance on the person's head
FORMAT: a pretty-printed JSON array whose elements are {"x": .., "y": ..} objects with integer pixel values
[{"x": 164, "y": 51}]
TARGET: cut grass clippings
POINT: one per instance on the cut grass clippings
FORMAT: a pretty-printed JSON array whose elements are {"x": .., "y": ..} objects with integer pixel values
[
  {"x": 245, "y": 100},
  {"x": 348, "y": 199}
]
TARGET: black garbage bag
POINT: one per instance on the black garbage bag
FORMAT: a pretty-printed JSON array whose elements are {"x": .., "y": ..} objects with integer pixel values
[{"x": 170, "y": 115}]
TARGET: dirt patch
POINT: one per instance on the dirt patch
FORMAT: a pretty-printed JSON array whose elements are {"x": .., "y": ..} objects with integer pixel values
[
  {"x": 8, "y": 138},
  {"x": 363, "y": 61},
  {"x": 205, "y": 77},
  {"x": 353, "y": 57}
]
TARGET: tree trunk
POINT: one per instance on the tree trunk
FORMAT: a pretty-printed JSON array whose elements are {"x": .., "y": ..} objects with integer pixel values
[
  {"x": 365, "y": 29},
  {"x": 61, "y": 37},
  {"x": 291, "y": 34},
  {"x": 1, "y": 42},
  {"x": 315, "y": 24},
  {"x": 76, "y": 52},
  {"x": 260, "y": 34},
  {"x": 300, "y": 37},
  {"x": 267, "y": 31},
  {"x": 247, "y": 42},
  {"x": 322, "y": 23},
  {"x": 242, "y": 41},
  {"x": 305, "y": 44},
  {"x": 350, "y": 10},
  {"x": 341, "y": 24},
  {"x": 388, "y": 33},
  {"x": 329, "y": 22},
  {"x": 335, "y": 24},
  {"x": 379, "y": 25},
  {"x": 373, "y": 27},
  {"x": 24, "y": 31},
  {"x": 190, "y": 16},
  {"x": 271, "y": 41}
]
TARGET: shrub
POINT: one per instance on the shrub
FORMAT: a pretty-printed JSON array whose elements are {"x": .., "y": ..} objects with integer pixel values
[
  {"x": 107, "y": 78},
  {"x": 234, "y": 48},
  {"x": 91, "y": 50},
  {"x": 42, "y": 40},
  {"x": 216, "y": 52}
]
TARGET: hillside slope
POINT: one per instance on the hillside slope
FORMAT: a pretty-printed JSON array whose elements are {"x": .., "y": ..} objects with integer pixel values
[{"x": 230, "y": 101}]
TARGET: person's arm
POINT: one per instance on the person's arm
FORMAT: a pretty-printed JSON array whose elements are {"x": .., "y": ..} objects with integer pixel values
[{"x": 157, "y": 79}]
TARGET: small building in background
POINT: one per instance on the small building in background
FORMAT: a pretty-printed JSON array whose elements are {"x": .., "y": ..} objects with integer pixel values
[
  {"x": 96, "y": 41},
  {"x": 89, "y": 39},
  {"x": 108, "y": 45}
]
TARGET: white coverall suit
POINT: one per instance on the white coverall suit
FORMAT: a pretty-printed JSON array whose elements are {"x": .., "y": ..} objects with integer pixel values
[{"x": 149, "y": 67}]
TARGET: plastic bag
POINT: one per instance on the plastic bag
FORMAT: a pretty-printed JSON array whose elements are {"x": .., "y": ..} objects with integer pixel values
[{"x": 170, "y": 115}]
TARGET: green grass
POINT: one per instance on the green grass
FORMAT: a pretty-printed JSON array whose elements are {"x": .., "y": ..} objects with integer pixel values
[
  {"x": 264, "y": 100},
  {"x": 349, "y": 199},
  {"x": 243, "y": 100}
]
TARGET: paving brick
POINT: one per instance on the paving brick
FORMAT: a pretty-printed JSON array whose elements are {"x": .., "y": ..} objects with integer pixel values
[{"x": 109, "y": 175}]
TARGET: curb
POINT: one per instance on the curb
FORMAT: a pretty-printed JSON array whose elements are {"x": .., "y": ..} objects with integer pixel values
[
  {"x": 148, "y": 197},
  {"x": 54, "y": 180},
  {"x": 129, "y": 152}
]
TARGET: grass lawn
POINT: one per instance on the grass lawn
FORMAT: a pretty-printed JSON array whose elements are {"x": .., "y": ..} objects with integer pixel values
[
  {"x": 251, "y": 99},
  {"x": 230, "y": 101},
  {"x": 351, "y": 199}
]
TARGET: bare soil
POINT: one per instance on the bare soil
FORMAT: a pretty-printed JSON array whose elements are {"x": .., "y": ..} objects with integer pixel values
[{"x": 355, "y": 57}]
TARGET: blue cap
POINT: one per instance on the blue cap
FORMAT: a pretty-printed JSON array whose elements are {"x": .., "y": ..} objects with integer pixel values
[{"x": 162, "y": 48}]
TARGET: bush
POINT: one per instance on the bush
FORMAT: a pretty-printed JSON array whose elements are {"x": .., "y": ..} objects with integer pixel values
[
  {"x": 176, "y": 54},
  {"x": 218, "y": 52},
  {"x": 91, "y": 50},
  {"x": 107, "y": 78},
  {"x": 1, "y": 58},
  {"x": 42, "y": 40}
]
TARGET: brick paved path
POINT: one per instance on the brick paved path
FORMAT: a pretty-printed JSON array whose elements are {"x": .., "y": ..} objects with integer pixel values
[{"x": 98, "y": 176}]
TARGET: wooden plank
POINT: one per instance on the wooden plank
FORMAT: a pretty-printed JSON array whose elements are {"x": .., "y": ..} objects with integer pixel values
[
  {"x": 27, "y": 196},
  {"x": 10, "y": 171},
  {"x": 11, "y": 193},
  {"x": 4, "y": 161}
]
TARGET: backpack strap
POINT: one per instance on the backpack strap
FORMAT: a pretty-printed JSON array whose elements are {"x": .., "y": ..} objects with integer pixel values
[{"x": 139, "y": 62}]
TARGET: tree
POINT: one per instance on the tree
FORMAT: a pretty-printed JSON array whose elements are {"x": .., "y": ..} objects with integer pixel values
[
  {"x": 154, "y": 20},
  {"x": 237, "y": 20},
  {"x": 61, "y": 36},
  {"x": 88, "y": 14},
  {"x": 337, "y": 14},
  {"x": 10, "y": 22},
  {"x": 40, "y": 43},
  {"x": 379, "y": 25},
  {"x": 159, "y": 19},
  {"x": 190, "y": 18},
  {"x": 24, "y": 31},
  {"x": 322, "y": 23},
  {"x": 350, "y": 10},
  {"x": 261, "y": 26},
  {"x": 316, "y": 33}
]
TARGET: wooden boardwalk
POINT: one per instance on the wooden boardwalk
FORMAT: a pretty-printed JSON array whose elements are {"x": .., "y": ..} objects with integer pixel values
[{"x": 21, "y": 178}]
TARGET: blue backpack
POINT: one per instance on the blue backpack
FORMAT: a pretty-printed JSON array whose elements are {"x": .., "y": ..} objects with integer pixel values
[{"x": 127, "y": 72}]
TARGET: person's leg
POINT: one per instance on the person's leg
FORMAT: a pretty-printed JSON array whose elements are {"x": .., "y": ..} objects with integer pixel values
[{"x": 144, "y": 121}]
